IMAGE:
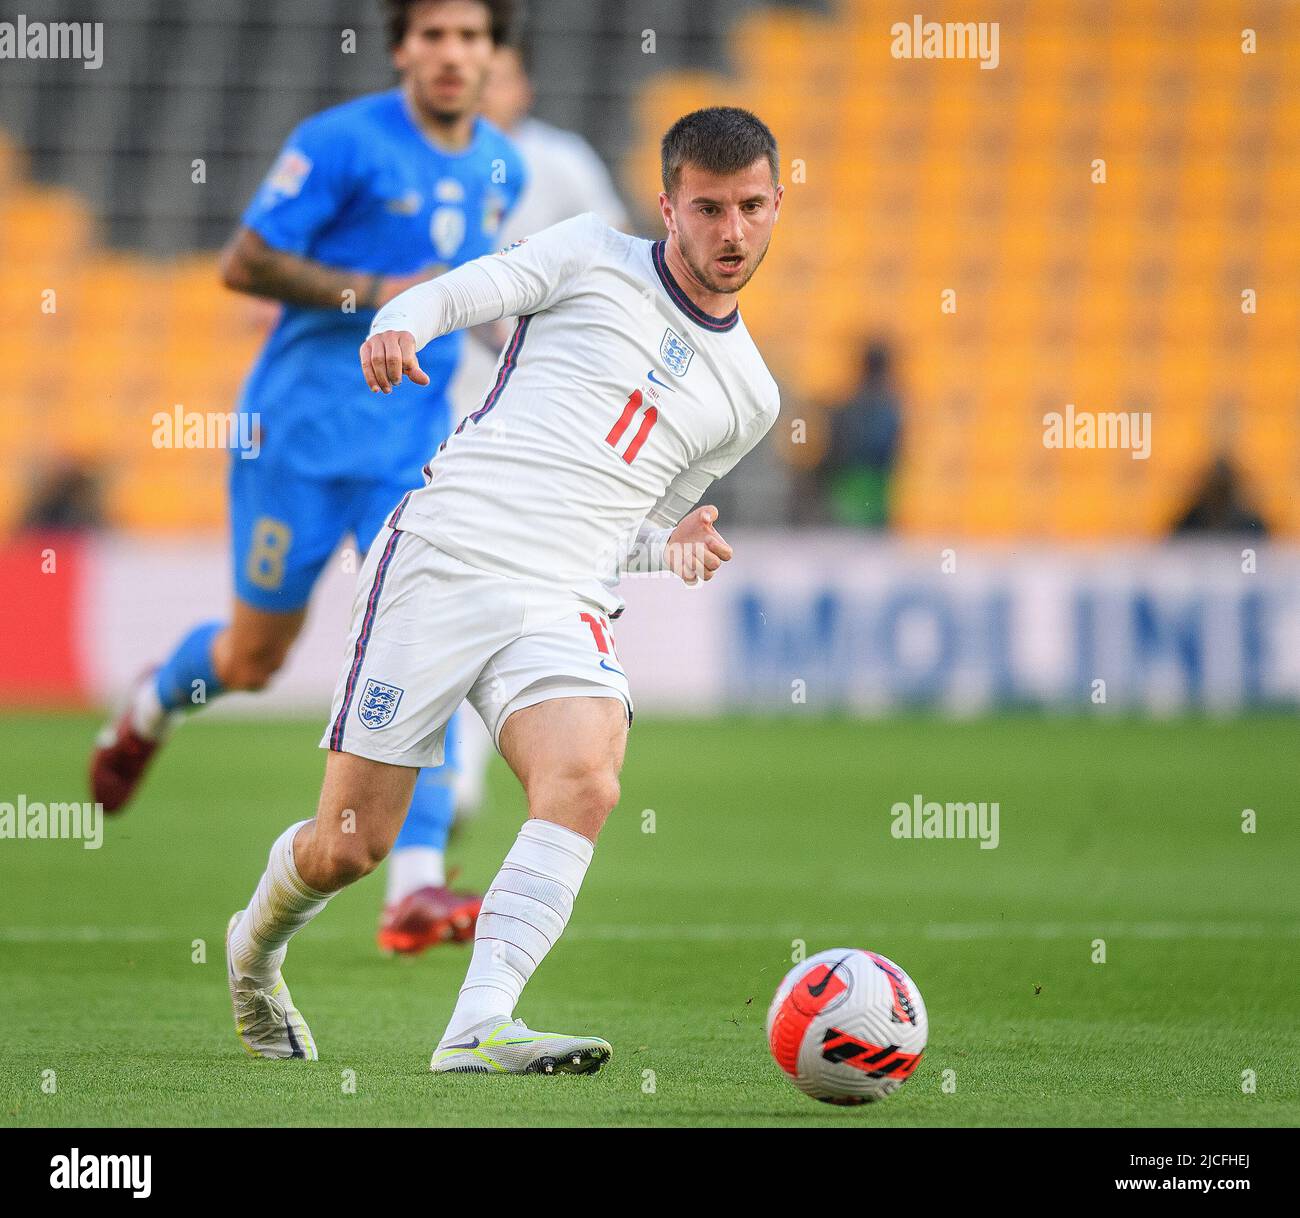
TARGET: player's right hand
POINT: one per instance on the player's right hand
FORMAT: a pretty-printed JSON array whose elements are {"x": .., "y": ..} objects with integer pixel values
[{"x": 386, "y": 356}]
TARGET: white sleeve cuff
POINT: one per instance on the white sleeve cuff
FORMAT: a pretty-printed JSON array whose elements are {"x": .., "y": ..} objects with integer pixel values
[{"x": 646, "y": 556}]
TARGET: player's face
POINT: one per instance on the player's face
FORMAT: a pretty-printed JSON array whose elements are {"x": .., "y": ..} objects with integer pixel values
[
  {"x": 723, "y": 222},
  {"x": 445, "y": 56}
]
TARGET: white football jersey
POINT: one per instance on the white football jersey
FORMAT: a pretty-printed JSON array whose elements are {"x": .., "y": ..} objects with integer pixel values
[{"x": 615, "y": 400}]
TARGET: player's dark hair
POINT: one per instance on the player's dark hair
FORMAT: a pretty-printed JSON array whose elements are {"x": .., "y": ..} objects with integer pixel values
[
  {"x": 720, "y": 139},
  {"x": 397, "y": 15}
]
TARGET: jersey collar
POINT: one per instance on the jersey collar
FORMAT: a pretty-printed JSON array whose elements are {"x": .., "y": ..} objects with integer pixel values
[{"x": 684, "y": 302}]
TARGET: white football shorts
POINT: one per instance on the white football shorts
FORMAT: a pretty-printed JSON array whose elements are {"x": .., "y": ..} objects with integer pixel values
[{"x": 430, "y": 631}]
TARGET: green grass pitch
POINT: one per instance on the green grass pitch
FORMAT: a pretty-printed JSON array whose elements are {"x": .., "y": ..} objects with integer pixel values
[{"x": 764, "y": 832}]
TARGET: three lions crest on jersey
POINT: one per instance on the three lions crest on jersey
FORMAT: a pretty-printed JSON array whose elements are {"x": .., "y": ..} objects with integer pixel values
[{"x": 676, "y": 352}]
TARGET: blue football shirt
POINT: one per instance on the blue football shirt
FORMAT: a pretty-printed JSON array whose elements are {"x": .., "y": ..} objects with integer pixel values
[{"x": 361, "y": 187}]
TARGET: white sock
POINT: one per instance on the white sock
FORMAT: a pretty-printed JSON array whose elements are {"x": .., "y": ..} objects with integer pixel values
[
  {"x": 148, "y": 715},
  {"x": 281, "y": 906},
  {"x": 524, "y": 913},
  {"x": 413, "y": 867}
]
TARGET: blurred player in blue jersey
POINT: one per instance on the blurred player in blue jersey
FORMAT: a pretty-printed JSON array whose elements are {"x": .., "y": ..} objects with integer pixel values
[{"x": 365, "y": 200}]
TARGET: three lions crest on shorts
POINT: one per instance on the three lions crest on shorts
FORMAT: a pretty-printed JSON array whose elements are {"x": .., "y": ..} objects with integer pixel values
[{"x": 378, "y": 704}]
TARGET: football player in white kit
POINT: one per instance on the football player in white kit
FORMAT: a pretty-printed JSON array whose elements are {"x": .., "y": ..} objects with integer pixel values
[
  {"x": 628, "y": 385},
  {"x": 565, "y": 177}
]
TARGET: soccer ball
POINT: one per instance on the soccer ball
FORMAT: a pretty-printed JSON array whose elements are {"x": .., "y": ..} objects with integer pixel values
[{"x": 847, "y": 1026}]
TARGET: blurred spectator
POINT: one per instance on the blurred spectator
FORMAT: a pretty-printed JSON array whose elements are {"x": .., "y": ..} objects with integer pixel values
[
  {"x": 68, "y": 497},
  {"x": 859, "y": 462},
  {"x": 1219, "y": 505}
]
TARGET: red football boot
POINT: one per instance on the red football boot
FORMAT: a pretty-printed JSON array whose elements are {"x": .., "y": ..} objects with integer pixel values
[
  {"x": 120, "y": 759},
  {"x": 426, "y": 917}
]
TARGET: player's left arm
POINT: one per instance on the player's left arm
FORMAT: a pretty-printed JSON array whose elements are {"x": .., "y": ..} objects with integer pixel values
[{"x": 676, "y": 537}]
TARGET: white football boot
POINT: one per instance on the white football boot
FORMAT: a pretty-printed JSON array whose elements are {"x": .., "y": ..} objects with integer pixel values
[
  {"x": 266, "y": 1021},
  {"x": 495, "y": 1047}
]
